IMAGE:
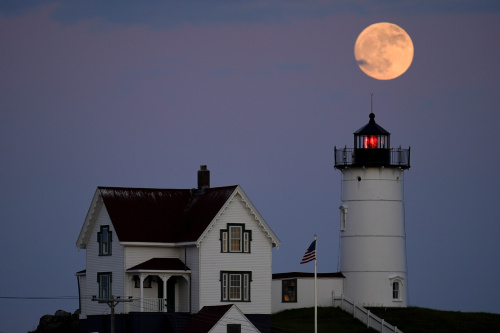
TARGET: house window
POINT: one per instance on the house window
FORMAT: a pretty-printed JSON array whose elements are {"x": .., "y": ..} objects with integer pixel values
[
  {"x": 235, "y": 286},
  {"x": 235, "y": 238},
  {"x": 395, "y": 290},
  {"x": 104, "y": 281},
  {"x": 289, "y": 291},
  {"x": 233, "y": 328},
  {"x": 104, "y": 238}
]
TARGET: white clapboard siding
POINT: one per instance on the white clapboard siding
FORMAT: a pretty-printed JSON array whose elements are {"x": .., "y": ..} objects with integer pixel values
[
  {"x": 101, "y": 264},
  {"x": 135, "y": 255},
  {"x": 259, "y": 261},
  {"x": 327, "y": 287},
  {"x": 83, "y": 291}
]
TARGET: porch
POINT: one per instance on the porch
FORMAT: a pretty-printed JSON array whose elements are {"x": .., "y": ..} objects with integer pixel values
[{"x": 160, "y": 285}]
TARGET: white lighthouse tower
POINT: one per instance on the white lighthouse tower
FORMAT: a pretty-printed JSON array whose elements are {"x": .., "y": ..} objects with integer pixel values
[{"x": 372, "y": 230}]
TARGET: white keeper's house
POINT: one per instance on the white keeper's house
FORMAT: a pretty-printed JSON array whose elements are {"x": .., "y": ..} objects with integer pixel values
[{"x": 175, "y": 251}]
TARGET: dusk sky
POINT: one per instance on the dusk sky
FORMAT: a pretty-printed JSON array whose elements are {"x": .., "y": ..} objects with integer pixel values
[{"x": 96, "y": 93}]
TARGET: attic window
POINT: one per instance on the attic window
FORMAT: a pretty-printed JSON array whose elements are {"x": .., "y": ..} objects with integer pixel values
[
  {"x": 233, "y": 328},
  {"x": 104, "y": 238},
  {"x": 235, "y": 239}
]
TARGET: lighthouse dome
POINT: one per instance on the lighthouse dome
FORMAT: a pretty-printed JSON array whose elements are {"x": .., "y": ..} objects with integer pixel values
[{"x": 372, "y": 128}]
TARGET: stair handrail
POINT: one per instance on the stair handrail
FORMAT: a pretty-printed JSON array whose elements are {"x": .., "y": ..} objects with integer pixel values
[{"x": 364, "y": 315}]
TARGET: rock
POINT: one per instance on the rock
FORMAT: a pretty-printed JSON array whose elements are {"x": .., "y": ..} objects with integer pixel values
[{"x": 60, "y": 322}]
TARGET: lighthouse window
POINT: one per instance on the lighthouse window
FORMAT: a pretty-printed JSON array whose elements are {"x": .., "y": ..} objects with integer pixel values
[
  {"x": 395, "y": 290},
  {"x": 343, "y": 217},
  {"x": 372, "y": 141}
]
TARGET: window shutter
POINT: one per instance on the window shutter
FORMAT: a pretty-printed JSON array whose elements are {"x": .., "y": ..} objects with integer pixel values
[{"x": 110, "y": 233}]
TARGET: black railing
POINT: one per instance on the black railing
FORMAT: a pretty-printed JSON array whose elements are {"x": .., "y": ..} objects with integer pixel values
[{"x": 346, "y": 157}]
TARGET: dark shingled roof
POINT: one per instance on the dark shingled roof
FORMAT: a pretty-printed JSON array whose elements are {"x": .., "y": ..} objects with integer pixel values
[
  {"x": 303, "y": 274},
  {"x": 161, "y": 264},
  {"x": 372, "y": 128},
  {"x": 206, "y": 319},
  {"x": 163, "y": 215}
]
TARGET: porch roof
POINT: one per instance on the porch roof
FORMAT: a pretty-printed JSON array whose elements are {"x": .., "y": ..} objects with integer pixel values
[{"x": 160, "y": 264}]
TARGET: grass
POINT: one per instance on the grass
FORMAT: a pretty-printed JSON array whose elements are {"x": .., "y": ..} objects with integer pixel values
[
  {"x": 329, "y": 320},
  {"x": 409, "y": 320},
  {"x": 414, "y": 319}
]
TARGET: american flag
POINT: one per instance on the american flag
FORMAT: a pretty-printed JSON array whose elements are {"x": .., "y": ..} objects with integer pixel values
[{"x": 310, "y": 254}]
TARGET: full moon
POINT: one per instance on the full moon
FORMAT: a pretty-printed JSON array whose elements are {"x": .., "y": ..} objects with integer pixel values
[{"x": 383, "y": 51}]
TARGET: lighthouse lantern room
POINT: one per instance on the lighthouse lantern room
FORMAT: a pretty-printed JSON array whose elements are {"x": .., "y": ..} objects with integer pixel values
[{"x": 372, "y": 231}]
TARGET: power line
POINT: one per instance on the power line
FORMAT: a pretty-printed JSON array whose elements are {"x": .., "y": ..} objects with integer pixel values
[{"x": 38, "y": 297}]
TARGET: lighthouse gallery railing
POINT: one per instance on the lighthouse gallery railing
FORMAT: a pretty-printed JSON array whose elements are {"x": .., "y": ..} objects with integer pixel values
[{"x": 345, "y": 157}]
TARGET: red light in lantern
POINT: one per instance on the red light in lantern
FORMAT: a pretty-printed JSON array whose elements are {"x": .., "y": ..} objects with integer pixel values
[{"x": 370, "y": 141}]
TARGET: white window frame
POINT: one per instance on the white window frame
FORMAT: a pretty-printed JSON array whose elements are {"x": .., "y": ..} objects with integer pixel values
[
  {"x": 235, "y": 286},
  {"x": 232, "y": 230},
  {"x": 235, "y": 232},
  {"x": 104, "y": 281},
  {"x": 105, "y": 238},
  {"x": 396, "y": 290},
  {"x": 246, "y": 242},
  {"x": 224, "y": 288},
  {"x": 224, "y": 241},
  {"x": 399, "y": 281}
]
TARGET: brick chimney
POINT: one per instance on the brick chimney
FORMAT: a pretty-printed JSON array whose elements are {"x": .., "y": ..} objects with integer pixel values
[{"x": 203, "y": 178}]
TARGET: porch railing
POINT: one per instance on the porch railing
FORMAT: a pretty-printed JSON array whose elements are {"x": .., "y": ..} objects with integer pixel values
[
  {"x": 365, "y": 316},
  {"x": 154, "y": 305}
]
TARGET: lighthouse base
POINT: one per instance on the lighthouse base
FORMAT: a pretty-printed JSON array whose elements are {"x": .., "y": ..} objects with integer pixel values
[{"x": 376, "y": 289}]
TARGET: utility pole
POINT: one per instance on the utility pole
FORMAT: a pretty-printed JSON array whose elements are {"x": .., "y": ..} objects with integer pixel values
[{"x": 112, "y": 302}]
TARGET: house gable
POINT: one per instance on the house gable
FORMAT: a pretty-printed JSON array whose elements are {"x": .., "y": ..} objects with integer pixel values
[
  {"x": 213, "y": 319},
  {"x": 264, "y": 227},
  {"x": 90, "y": 220},
  {"x": 252, "y": 266}
]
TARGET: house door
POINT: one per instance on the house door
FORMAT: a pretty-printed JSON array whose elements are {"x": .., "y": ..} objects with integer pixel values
[{"x": 171, "y": 293}]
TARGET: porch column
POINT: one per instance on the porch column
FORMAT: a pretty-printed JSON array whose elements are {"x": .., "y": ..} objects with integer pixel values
[
  {"x": 165, "y": 278},
  {"x": 141, "y": 280},
  {"x": 188, "y": 279}
]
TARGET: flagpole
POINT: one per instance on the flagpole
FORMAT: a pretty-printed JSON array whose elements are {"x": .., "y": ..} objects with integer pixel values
[{"x": 315, "y": 291}]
